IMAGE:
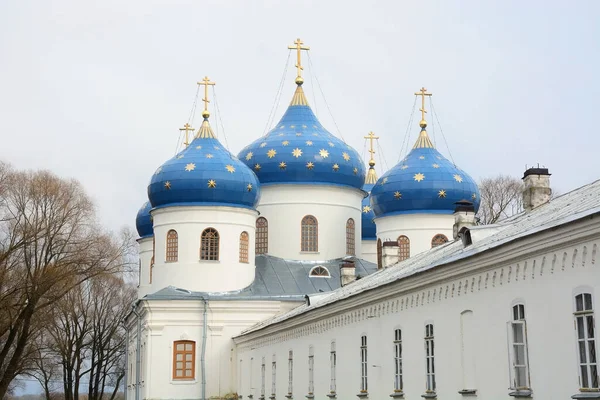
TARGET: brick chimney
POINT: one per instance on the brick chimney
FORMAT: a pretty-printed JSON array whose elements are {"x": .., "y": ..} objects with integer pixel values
[
  {"x": 390, "y": 254},
  {"x": 464, "y": 216},
  {"x": 537, "y": 189},
  {"x": 347, "y": 272}
]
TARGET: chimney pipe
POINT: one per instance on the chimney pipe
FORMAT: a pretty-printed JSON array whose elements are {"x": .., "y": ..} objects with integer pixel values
[
  {"x": 390, "y": 253},
  {"x": 464, "y": 216},
  {"x": 537, "y": 189},
  {"x": 347, "y": 272}
]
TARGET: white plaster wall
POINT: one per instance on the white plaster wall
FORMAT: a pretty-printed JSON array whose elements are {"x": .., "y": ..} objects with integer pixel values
[
  {"x": 420, "y": 229},
  {"x": 145, "y": 257},
  {"x": 191, "y": 273},
  {"x": 284, "y": 206},
  {"x": 369, "y": 250},
  {"x": 546, "y": 288}
]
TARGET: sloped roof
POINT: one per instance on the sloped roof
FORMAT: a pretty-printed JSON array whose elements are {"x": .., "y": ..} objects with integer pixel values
[
  {"x": 276, "y": 279},
  {"x": 572, "y": 206}
]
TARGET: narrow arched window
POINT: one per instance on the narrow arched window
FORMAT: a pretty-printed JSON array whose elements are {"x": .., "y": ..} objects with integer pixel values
[
  {"x": 350, "y": 237},
  {"x": 262, "y": 236},
  {"x": 309, "y": 234},
  {"x": 403, "y": 247},
  {"x": 209, "y": 245},
  {"x": 244, "y": 247},
  {"x": 379, "y": 254},
  {"x": 172, "y": 246},
  {"x": 438, "y": 239}
]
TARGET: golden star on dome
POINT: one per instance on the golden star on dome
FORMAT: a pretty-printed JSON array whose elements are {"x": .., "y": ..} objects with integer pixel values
[
  {"x": 167, "y": 185},
  {"x": 314, "y": 126},
  {"x": 257, "y": 167},
  {"x": 249, "y": 187},
  {"x": 398, "y": 195},
  {"x": 330, "y": 144},
  {"x": 158, "y": 171},
  {"x": 419, "y": 177},
  {"x": 366, "y": 209},
  {"x": 346, "y": 156},
  {"x": 271, "y": 153},
  {"x": 285, "y": 143},
  {"x": 179, "y": 157},
  {"x": 281, "y": 134},
  {"x": 442, "y": 194},
  {"x": 310, "y": 165},
  {"x": 282, "y": 165},
  {"x": 297, "y": 152},
  {"x": 323, "y": 153},
  {"x": 474, "y": 196},
  {"x": 190, "y": 167},
  {"x": 212, "y": 183},
  {"x": 292, "y": 126},
  {"x": 315, "y": 134},
  {"x": 439, "y": 158},
  {"x": 263, "y": 144},
  {"x": 230, "y": 168},
  {"x": 209, "y": 156},
  {"x": 435, "y": 165},
  {"x": 198, "y": 147},
  {"x": 336, "y": 167},
  {"x": 421, "y": 157},
  {"x": 309, "y": 143},
  {"x": 404, "y": 166},
  {"x": 216, "y": 147},
  {"x": 304, "y": 126},
  {"x": 298, "y": 133},
  {"x": 458, "y": 178},
  {"x": 355, "y": 170},
  {"x": 282, "y": 126},
  {"x": 249, "y": 155},
  {"x": 384, "y": 180}
]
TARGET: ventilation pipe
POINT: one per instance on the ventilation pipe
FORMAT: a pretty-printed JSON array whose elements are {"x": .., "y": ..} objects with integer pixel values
[
  {"x": 537, "y": 189},
  {"x": 464, "y": 217}
]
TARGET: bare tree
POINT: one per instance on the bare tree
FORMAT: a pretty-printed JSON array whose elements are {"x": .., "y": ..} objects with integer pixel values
[
  {"x": 501, "y": 197},
  {"x": 50, "y": 242}
]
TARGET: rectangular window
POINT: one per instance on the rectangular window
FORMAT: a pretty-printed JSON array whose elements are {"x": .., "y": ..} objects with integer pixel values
[
  {"x": 262, "y": 379},
  {"x": 290, "y": 372},
  {"x": 586, "y": 341},
  {"x": 184, "y": 360},
  {"x": 364, "y": 387},
  {"x": 273, "y": 376},
  {"x": 398, "y": 360},
  {"x": 430, "y": 358},
  {"x": 311, "y": 370},
  {"x": 519, "y": 366},
  {"x": 332, "y": 362}
]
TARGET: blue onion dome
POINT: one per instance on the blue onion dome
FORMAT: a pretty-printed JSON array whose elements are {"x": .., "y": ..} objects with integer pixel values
[
  {"x": 368, "y": 223},
  {"x": 143, "y": 221},
  {"x": 299, "y": 150},
  {"x": 204, "y": 174},
  {"x": 423, "y": 182}
]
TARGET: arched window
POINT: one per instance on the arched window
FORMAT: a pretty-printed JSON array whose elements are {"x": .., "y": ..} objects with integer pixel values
[
  {"x": 319, "y": 271},
  {"x": 379, "y": 254},
  {"x": 209, "y": 245},
  {"x": 438, "y": 240},
  {"x": 184, "y": 359},
  {"x": 403, "y": 247},
  {"x": 262, "y": 236},
  {"x": 350, "y": 237},
  {"x": 172, "y": 246},
  {"x": 309, "y": 234},
  {"x": 244, "y": 247}
]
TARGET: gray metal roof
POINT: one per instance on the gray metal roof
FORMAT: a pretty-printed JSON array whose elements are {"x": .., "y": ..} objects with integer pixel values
[
  {"x": 276, "y": 279},
  {"x": 572, "y": 206}
]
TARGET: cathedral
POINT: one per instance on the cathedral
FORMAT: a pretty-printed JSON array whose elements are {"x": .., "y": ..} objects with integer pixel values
[{"x": 293, "y": 271}]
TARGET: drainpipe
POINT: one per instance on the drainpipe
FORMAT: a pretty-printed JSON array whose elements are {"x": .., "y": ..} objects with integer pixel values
[
  {"x": 203, "y": 353},
  {"x": 138, "y": 347},
  {"x": 123, "y": 322}
]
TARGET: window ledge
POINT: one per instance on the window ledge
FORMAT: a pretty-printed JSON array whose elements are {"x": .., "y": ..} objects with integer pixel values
[
  {"x": 362, "y": 395},
  {"x": 521, "y": 393},
  {"x": 210, "y": 261},
  {"x": 310, "y": 396},
  {"x": 309, "y": 252},
  {"x": 332, "y": 395},
  {"x": 468, "y": 392},
  {"x": 272, "y": 397},
  {"x": 429, "y": 395},
  {"x": 262, "y": 397},
  {"x": 288, "y": 396},
  {"x": 397, "y": 394},
  {"x": 184, "y": 381},
  {"x": 587, "y": 395}
]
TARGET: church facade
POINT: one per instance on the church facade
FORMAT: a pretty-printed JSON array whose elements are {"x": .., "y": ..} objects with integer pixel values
[{"x": 292, "y": 271}]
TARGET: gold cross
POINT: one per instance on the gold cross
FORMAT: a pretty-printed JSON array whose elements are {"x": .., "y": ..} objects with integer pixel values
[
  {"x": 187, "y": 127},
  {"x": 371, "y": 136},
  {"x": 206, "y": 82},
  {"x": 422, "y": 93},
  {"x": 298, "y": 46}
]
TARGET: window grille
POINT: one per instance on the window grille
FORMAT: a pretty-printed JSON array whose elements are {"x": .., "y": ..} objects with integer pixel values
[
  {"x": 364, "y": 384},
  {"x": 244, "y": 247},
  {"x": 309, "y": 234},
  {"x": 403, "y": 247},
  {"x": 320, "y": 271},
  {"x": 586, "y": 341},
  {"x": 172, "y": 246},
  {"x": 430, "y": 358},
  {"x": 333, "y": 363},
  {"x": 262, "y": 236},
  {"x": 184, "y": 359},
  {"x": 350, "y": 237},
  {"x": 209, "y": 245},
  {"x": 398, "y": 384},
  {"x": 438, "y": 239}
]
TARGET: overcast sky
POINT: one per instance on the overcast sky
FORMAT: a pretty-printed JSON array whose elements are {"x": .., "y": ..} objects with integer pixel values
[{"x": 98, "y": 90}]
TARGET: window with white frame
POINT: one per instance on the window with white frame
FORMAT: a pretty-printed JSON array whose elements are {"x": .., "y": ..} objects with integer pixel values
[
  {"x": 290, "y": 372},
  {"x": 364, "y": 386},
  {"x": 586, "y": 341},
  {"x": 519, "y": 365},
  {"x": 311, "y": 370},
  {"x": 262, "y": 379},
  {"x": 430, "y": 358},
  {"x": 398, "y": 384},
  {"x": 273, "y": 376},
  {"x": 332, "y": 363}
]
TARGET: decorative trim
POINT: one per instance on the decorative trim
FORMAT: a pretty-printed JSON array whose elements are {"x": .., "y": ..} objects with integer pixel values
[
  {"x": 272, "y": 397},
  {"x": 362, "y": 395},
  {"x": 586, "y": 395},
  {"x": 289, "y": 396},
  {"x": 310, "y": 396},
  {"x": 397, "y": 395},
  {"x": 332, "y": 395},
  {"x": 468, "y": 392},
  {"x": 429, "y": 395},
  {"x": 522, "y": 393}
]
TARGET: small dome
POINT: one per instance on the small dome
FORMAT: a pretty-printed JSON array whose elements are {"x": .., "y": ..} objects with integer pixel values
[
  {"x": 299, "y": 150},
  {"x": 143, "y": 221},
  {"x": 423, "y": 182},
  {"x": 204, "y": 173}
]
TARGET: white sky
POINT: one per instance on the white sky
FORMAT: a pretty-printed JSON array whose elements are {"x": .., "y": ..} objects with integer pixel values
[{"x": 97, "y": 90}]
